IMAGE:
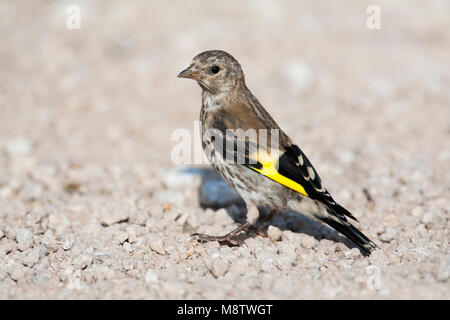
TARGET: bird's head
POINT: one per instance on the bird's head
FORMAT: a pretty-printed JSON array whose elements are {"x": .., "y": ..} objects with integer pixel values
[{"x": 215, "y": 71}]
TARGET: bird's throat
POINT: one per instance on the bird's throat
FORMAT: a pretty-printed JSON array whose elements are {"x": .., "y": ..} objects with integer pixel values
[{"x": 213, "y": 102}]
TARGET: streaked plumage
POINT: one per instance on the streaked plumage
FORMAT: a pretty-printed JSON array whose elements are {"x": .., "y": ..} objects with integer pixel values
[{"x": 277, "y": 176}]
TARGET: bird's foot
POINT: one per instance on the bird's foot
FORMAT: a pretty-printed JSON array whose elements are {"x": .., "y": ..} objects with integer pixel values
[
  {"x": 229, "y": 237},
  {"x": 260, "y": 226},
  {"x": 259, "y": 229}
]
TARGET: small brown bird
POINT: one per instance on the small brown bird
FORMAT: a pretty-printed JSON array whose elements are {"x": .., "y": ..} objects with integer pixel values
[{"x": 276, "y": 175}]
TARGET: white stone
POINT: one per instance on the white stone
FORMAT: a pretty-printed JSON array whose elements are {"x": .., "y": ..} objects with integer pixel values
[
  {"x": 17, "y": 272},
  {"x": 417, "y": 212},
  {"x": 432, "y": 217},
  {"x": 68, "y": 242},
  {"x": 82, "y": 261},
  {"x": 115, "y": 213},
  {"x": 217, "y": 265},
  {"x": 118, "y": 237},
  {"x": 34, "y": 255},
  {"x": 389, "y": 235},
  {"x": 24, "y": 239},
  {"x": 50, "y": 242},
  {"x": 352, "y": 253},
  {"x": 18, "y": 147},
  {"x": 156, "y": 244},
  {"x": 309, "y": 242},
  {"x": 151, "y": 277},
  {"x": 274, "y": 233}
]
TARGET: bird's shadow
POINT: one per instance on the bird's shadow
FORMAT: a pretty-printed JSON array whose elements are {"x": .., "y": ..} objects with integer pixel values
[{"x": 292, "y": 221}]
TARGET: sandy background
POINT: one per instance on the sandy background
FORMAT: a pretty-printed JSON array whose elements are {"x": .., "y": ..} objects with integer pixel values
[{"x": 91, "y": 205}]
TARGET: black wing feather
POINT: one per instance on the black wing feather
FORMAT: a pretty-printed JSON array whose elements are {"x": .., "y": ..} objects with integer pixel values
[{"x": 294, "y": 165}]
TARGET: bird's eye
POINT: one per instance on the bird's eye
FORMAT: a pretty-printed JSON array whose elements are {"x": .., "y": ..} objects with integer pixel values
[{"x": 215, "y": 69}]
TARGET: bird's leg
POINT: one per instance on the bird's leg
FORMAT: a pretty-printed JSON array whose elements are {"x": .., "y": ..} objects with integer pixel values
[
  {"x": 260, "y": 230},
  {"x": 252, "y": 215}
]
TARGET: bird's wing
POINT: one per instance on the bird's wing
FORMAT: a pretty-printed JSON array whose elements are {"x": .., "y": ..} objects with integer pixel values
[
  {"x": 291, "y": 168},
  {"x": 285, "y": 163}
]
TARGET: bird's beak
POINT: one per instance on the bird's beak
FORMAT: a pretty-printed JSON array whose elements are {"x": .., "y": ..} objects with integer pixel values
[{"x": 189, "y": 73}]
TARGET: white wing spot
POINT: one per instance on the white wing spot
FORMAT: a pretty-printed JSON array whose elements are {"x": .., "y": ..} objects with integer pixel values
[
  {"x": 300, "y": 159},
  {"x": 321, "y": 189},
  {"x": 311, "y": 173}
]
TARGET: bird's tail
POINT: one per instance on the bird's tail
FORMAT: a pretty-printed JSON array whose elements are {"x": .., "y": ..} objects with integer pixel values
[{"x": 348, "y": 230}]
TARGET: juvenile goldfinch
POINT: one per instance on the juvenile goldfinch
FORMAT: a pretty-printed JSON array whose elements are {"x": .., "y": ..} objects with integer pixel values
[{"x": 254, "y": 156}]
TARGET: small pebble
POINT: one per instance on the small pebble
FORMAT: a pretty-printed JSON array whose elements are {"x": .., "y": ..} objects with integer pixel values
[
  {"x": 17, "y": 272},
  {"x": 217, "y": 266},
  {"x": 119, "y": 237},
  {"x": 417, "y": 212},
  {"x": 432, "y": 217},
  {"x": 34, "y": 255},
  {"x": 24, "y": 239},
  {"x": 9, "y": 232},
  {"x": 156, "y": 244},
  {"x": 379, "y": 258},
  {"x": 151, "y": 277},
  {"x": 68, "y": 242},
  {"x": 274, "y": 233},
  {"x": 114, "y": 213},
  {"x": 18, "y": 147},
  {"x": 352, "y": 253},
  {"x": 82, "y": 261},
  {"x": 389, "y": 235},
  {"x": 7, "y": 246},
  {"x": 49, "y": 242},
  {"x": 309, "y": 242}
]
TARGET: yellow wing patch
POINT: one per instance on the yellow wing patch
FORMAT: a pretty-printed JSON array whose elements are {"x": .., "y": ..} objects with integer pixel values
[{"x": 270, "y": 171}]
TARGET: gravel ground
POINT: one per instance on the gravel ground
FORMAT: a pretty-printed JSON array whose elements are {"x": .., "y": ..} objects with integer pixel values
[{"x": 92, "y": 206}]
